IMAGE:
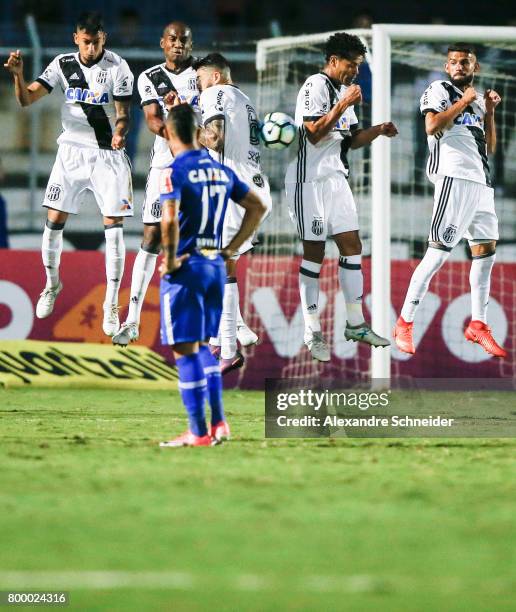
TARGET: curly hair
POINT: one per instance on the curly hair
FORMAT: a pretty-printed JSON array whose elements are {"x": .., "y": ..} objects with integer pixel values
[{"x": 347, "y": 46}]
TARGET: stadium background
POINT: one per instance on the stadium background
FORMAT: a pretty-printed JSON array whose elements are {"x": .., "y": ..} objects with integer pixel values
[{"x": 28, "y": 148}]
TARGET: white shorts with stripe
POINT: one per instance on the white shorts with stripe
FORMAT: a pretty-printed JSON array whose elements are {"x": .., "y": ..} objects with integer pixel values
[
  {"x": 462, "y": 209},
  {"x": 235, "y": 213},
  {"x": 322, "y": 208},
  {"x": 107, "y": 173}
]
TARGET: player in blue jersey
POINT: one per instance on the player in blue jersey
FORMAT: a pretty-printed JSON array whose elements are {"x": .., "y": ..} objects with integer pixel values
[{"x": 195, "y": 190}]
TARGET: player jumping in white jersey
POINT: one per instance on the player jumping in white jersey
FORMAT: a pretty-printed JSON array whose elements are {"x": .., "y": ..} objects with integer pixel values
[
  {"x": 461, "y": 133},
  {"x": 96, "y": 87},
  {"x": 320, "y": 201},
  {"x": 172, "y": 80},
  {"x": 231, "y": 133}
]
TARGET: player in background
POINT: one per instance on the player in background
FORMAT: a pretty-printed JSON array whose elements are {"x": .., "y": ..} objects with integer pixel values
[
  {"x": 95, "y": 86},
  {"x": 320, "y": 201},
  {"x": 158, "y": 87},
  {"x": 195, "y": 190},
  {"x": 231, "y": 133},
  {"x": 460, "y": 125}
]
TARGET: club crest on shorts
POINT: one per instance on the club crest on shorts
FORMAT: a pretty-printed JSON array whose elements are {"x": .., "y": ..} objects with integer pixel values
[
  {"x": 54, "y": 192},
  {"x": 156, "y": 209},
  {"x": 449, "y": 233},
  {"x": 317, "y": 226}
]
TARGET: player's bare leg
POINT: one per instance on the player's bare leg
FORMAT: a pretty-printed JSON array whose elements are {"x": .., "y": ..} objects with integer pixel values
[
  {"x": 192, "y": 387},
  {"x": 351, "y": 281},
  {"x": 433, "y": 260},
  {"x": 309, "y": 271},
  {"x": 143, "y": 270},
  {"x": 51, "y": 249},
  {"x": 483, "y": 259},
  {"x": 115, "y": 260},
  {"x": 230, "y": 358}
]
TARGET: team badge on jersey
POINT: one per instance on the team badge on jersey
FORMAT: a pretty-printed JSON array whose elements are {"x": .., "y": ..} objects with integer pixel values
[
  {"x": 317, "y": 226},
  {"x": 449, "y": 233},
  {"x": 101, "y": 77}
]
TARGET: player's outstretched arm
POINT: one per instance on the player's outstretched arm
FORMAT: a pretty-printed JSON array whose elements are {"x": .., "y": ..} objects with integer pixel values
[
  {"x": 213, "y": 134},
  {"x": 362, "y": 138},
  {"x": 254, "y": 211},
  {"x": 436, "y": 122},
  {"x": 122, "y": 114},
  {"x": 317, "y": 130},
  {"x": 26, "y": 95},
  {"x": 492, "y": 100}
]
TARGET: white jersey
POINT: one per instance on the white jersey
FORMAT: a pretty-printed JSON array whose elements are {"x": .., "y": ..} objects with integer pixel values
[
  {"x": 241, "y": 142},
  {"x": 316, "y": 98},
  {"x": 89, "y": 94},
  {"x": 153, "y": 85},
  {"x": 459, "y": 150}
]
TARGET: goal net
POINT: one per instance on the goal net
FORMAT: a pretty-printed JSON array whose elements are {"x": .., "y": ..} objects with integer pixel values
[{"x": 272, "y": 296}]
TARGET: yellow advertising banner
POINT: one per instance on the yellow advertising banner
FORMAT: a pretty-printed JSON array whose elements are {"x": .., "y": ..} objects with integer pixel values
[{"x": 77, "y": 364}]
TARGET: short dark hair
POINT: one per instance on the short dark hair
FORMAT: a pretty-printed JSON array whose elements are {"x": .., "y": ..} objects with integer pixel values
[
  {"x": 91, "y": 22},
  {"x": 344, "y": 45},
  {"x": 462, "y": 48},
  {"x": 215, "y": 60},
  {"x": 182, "y": 120}
]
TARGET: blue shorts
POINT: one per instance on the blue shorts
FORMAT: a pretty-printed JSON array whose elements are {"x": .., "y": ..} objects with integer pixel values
[{"x": 191, "y": 300}]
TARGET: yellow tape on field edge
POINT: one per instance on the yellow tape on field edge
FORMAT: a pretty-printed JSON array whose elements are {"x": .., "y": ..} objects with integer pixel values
[{"x": 35, "y": 363}]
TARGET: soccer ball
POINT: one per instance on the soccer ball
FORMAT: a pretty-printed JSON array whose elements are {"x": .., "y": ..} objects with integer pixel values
[{"x": 278, "y": 130}]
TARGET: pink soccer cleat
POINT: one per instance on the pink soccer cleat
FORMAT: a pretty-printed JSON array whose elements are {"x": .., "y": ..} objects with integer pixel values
[
  {"x": 480, "y": 333},
  {"x": 187, "y": 439},
  {"x": 403, "y": 336},
  {"x": 220, "y": 432},
  {"x": 228, "y": 365}
]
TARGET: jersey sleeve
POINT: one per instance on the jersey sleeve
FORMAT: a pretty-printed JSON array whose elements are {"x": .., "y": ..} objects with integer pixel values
[
  {"x": 315, "y": 99},
  {"x": 49, "y": 78},
  {"x": 169, "y": 188},
  {"x": 124, "y": 81},
  {"x": 213, "y": 104},
  {"x": 435, "y": 99},
  {"x": 146, "y": 90},
  {"x": 239, "y": 189}
]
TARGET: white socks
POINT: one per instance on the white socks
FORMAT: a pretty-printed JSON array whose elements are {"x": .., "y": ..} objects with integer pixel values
[
  {"x": 423, "y": 274},
  {"x": 480, "y": 282},
  {"x": 352, "y": 285},
  {"x": 143, "y": 269},
  {"x": 309, "y": 272},
  {"x": 115, "y": 259},
  {"x": 51, "y": 249},
  {"x": 228, "y": 321}
]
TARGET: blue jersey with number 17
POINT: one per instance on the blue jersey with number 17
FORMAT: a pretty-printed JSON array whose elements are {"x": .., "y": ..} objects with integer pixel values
[{"x": 202, "y": 187}]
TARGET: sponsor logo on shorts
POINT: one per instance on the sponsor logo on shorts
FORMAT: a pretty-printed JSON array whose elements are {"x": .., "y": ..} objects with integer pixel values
[
  {"x": 449, "y": 233},
  {"x": 101, "y": 77},
  {"x": 126, "y": 205},
  {"x": 54, "y": 192},
  {"x": 317, "y": 226},
  {"x": 258, "y": 180}
]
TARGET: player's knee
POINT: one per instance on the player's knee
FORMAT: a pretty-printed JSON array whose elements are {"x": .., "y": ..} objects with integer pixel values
[
  {"x": 439, "y": 246},
  {"x": 151, "y": 242},
  {"x": 313, "y": 251},
  {"x": 480, "y": 249}
]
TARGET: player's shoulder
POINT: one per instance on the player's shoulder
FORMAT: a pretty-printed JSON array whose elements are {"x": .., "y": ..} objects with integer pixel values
[
  {"x": 439, "y": 85},
  {"x": 112, "y": 59},
  {"x": 217, "y": 93},
  {"x": 65, "y": 57},
  {"x": 316, "y": 80},
  {"x": 149, "y": 73}
]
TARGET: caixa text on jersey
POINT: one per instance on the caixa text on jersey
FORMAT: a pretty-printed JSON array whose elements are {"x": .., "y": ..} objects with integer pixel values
[{"x": 87, "y": 96}]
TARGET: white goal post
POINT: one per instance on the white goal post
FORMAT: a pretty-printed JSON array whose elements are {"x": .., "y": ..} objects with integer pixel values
[{"x": 379, "y": 40}]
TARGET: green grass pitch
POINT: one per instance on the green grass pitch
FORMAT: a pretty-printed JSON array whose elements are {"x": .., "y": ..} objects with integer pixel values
[{"x": 91, "y": 505}]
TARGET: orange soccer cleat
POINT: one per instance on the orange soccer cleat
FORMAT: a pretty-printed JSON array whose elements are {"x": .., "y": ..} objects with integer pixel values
[
  {"x": 403, "y": 336},
  {"x": 220, "y": 432},
  {"x": 480, "y": 332},
  {"x": 187, "y": 439}
]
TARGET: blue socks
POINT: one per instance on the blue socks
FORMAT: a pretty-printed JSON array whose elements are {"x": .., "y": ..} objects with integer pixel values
[
  {"x": 212, "y": 372},
  {"x": 192, "y": 385}
]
